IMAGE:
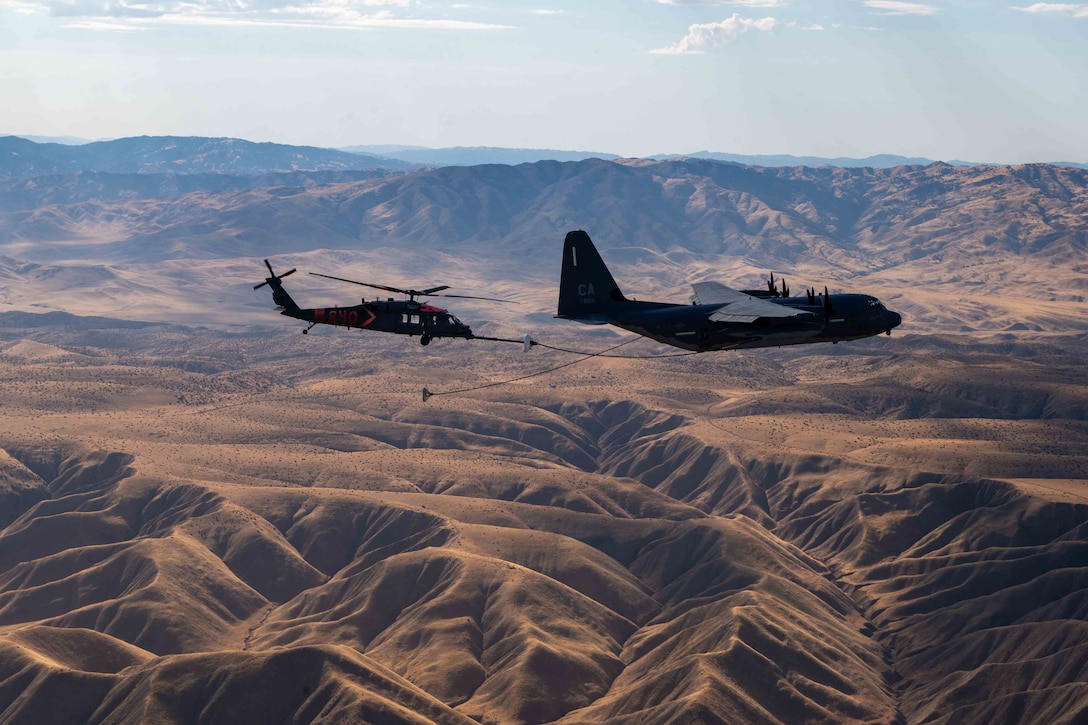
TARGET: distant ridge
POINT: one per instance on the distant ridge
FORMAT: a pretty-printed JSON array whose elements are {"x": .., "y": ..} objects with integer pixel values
[
  {"x": 381, "y": 149},
  {"x": 63, "y": 140},
  {"x": 178, "y": 154},
  {"x": 57, "y": 318},
  {"x": 79, "y": 186},
  {"x": 879, "y": 161},
  {"x": 477, "y": 155},
  {"x": 25, "y": 157}
]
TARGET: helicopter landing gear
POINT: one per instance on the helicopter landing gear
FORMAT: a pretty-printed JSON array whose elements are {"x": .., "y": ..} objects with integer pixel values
[
  {"x": 425, "y": 340},
  {"x": 307, "y": 330}
]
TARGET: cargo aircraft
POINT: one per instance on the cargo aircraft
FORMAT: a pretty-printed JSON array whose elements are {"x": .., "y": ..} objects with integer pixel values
[{"x": 718, "y": 318}]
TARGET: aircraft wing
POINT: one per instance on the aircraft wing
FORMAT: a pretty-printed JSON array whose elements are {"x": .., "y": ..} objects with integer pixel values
[{"x": 737, "y": 306}]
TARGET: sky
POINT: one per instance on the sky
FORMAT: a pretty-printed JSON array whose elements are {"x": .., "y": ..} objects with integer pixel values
[{"x": 991, "y": 82}]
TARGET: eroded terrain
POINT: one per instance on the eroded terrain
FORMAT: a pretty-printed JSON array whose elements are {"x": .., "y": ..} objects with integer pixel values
[{"x": 278, "y": 528}]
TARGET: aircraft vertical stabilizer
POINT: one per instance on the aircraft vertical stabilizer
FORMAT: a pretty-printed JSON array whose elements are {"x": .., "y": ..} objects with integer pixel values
[{"x": 587, "y": 291}]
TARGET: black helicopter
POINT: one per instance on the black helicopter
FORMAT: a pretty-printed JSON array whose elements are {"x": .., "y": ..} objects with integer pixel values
[
  {"x": 719, "y": 317},
  {"x": 402, "y": 317}
]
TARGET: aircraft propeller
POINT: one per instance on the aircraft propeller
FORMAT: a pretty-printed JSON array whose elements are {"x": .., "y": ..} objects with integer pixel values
[
  {"x": 783, "y": 291},
  {"x": 825, "y": 300},
  {"x": 273, "y": 276},
  {"x": 412, "y": 293}
]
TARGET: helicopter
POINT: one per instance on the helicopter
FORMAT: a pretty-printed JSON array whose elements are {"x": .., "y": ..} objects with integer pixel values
[{"x": 401, "y": 317}]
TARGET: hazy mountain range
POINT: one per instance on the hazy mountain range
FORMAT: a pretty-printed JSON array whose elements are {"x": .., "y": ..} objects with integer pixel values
[
  {"x": 150, "y": 154},
  {"x": 178, "y": 154},
  {"x": 470, "y": 156}
]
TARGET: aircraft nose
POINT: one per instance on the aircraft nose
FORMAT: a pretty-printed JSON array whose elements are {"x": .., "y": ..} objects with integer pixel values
[{"x": 894, "y": 320}]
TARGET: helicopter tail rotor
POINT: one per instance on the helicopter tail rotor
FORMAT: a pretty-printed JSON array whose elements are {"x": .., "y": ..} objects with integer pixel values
[
  {"x": 272, "y": 276},
  {"x": 279, "y": 294}
]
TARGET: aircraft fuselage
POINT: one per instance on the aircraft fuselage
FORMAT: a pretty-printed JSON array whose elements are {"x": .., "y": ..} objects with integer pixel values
[
  {"x": 396, "y": 316},
  {"x": 853, "y": 317}
]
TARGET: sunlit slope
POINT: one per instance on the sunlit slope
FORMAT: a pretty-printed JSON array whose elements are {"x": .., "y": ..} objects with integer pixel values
[
  {"x": 309, "y": 684},
  {"x": 522, "y": 624}
]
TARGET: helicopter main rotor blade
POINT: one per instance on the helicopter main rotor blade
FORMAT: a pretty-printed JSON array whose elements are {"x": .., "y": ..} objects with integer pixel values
[
  {"x": 471, "y": 297},
  {"x": 387, "y": 288},
  {"x": 429, "y": 292}
]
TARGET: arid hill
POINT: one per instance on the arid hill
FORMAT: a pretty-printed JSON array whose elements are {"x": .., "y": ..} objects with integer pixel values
[
  {"x": 271, "y": 527},
  {"x": 954, "y": 248}
]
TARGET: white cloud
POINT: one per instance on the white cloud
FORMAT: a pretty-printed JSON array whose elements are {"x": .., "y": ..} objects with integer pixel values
[
  {"x": 114, "y": 15},
  {"x": 24, "y": 8},
  {"x": 104, "y": 25},
  {"x": 1047, "y": 8},
  {"x": 702, "y": 36},
  {"x": 744, "y": 3},
  {"x": 1078, "y": 11},
  {"x": 893, "y": 7}
]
